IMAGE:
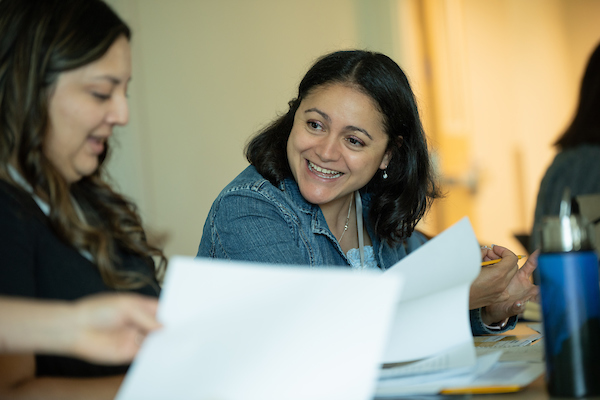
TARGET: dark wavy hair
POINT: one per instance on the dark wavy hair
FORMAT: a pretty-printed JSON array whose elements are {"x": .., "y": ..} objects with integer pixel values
[
  {"x": 401, "y": 200},
  {"x": 40, "y": 39},
  {"x": 585, "y": 127}
]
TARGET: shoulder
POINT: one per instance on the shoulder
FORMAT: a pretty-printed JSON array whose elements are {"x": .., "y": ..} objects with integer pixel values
[
  {"x": 17, "y": 204},
  {"x": 250, "y": 184},
  {"x": 248, "y": 180},
  {"x": 575, "y": 158},
  {"x": 9, "y": 194},
  {"x": 577, "y": 167},
  {"x": 22, "y": 224}
]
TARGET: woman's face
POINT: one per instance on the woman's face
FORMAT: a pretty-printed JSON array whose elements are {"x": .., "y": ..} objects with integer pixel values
[
  {"x": 337, "y": 143},
  {"x": 85, "y": 105}
]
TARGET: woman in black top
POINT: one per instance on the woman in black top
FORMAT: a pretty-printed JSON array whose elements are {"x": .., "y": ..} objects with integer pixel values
[{"x": 64, "y": 233}]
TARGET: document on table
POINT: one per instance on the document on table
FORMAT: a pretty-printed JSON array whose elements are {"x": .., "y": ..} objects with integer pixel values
[
  {"x": 432, "y": 315},
  {"x": 434, "y": 383},
  {"x": 450, "y": 359},
  {"x": 247, "y": 331},
  {"x": 488, "y": 375},
  {"x": 533, "y": 352},
  {"x": 505, "y": 341}
]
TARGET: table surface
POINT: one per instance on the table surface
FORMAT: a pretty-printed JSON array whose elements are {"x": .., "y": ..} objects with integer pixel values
[{"x": 535, "y": 391}]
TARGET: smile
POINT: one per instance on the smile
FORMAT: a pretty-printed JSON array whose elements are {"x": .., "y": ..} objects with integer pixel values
[
  {"x": 324, "y": 172},
  {"x": 96, "y": 144}
]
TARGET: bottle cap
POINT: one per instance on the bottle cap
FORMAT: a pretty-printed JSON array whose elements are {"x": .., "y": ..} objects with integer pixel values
[{"x": 568, "y": 231}]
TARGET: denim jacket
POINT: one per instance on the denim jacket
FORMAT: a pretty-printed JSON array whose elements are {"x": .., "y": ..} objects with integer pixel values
[{"x": 252, "y": 220}]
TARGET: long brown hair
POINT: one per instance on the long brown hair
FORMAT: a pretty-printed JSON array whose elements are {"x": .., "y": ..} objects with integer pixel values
[{"x": 39, "y": 39}]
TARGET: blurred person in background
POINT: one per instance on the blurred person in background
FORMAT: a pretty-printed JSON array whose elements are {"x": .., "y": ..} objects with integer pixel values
[{"x": 577, "y": 164}]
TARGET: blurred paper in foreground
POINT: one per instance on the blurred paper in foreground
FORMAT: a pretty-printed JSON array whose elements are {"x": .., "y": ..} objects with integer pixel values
[{"x": 249, "y": 331}]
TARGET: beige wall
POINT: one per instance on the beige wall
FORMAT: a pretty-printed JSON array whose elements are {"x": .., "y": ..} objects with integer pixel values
[{"x": 209, "y": 73}]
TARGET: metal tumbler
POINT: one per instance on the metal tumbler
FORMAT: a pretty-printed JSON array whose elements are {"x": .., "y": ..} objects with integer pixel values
[{"x": 567, "y": 274}]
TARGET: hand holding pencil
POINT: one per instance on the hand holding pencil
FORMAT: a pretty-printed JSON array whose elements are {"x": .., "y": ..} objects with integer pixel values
[
  {"x": 491, "y": 283},
  {"x": 497, "y": 260},
  {"x": 520, "y": 290},
  {"x": 503, "y": 289}
]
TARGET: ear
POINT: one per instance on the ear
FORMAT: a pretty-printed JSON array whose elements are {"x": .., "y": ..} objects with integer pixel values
[{"x": 387, "y": 157}]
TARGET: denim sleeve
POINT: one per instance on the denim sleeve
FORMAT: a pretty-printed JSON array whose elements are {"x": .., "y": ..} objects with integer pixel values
[
  {"x": 247, "y": 226},
  {"x": 479, "y": 328}
]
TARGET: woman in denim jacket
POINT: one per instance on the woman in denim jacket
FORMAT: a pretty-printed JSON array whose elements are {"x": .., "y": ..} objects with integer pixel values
[{"x": 342, "y": 180}]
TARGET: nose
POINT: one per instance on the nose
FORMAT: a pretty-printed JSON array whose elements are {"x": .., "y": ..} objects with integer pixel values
[
  {"x": 328, "y": 148},
  {"x": 119, "y": 111}
]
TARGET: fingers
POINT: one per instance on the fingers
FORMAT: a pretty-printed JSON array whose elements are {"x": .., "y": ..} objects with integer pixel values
[
  {"x": 500, "y": 311},
  {"x": 114, "y": 326},
  {"x": 533, "y": 294},
  {"x": 531, "y": 263},
  {"x": 488, "y": 254},
  {"x": 141, "y": 311},
  {"x": 508, "y": 266},
  {"x": 503, "y": 252},
  {"x": 484, "y": 251},
  {"x": 117, "y": 311},
  {"x": 517, "y": 307}
]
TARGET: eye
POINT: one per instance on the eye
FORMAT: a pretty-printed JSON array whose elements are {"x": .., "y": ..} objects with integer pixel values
[
  {"x": 314, "y": 125},
  {"x": 101, "y": 96},
  {"x": 355, "y": 141}
]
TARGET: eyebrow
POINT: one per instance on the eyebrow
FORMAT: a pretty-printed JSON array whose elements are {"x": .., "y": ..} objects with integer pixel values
[
  {"x": 328, "y": 119},
  {"x": 112, "y": 79}
]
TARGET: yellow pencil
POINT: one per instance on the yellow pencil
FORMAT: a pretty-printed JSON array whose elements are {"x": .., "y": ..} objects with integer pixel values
[
  {"x": 482, "y": 390},
  {"x": 483, "y": 264}
]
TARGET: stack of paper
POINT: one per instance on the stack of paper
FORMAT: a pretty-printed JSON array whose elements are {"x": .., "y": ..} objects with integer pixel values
[
  {"x": 242, "y": 331},
  {"x": 431, "y": 347},
  {"x": 431, "y": 331},
  {"x": 432, "y": 314}
]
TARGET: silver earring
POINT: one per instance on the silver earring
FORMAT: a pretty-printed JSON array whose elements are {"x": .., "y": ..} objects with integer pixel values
[{"x": 385, "y": 175}]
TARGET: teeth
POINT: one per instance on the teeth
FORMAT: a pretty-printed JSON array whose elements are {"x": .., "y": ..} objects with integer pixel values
[{"x": 324, "y": 171}]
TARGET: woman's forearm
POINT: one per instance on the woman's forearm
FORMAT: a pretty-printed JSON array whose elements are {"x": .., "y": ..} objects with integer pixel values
[
  {"x": 65, "y": 388},
  {"x": 28, "y": 326},
  {"x": 103, "y": 328}
]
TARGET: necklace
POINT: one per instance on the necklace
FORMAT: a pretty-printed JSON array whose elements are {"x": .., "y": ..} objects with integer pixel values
[{"x": 347, "y": 219}]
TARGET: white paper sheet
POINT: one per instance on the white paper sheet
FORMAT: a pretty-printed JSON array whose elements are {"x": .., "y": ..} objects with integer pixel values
[
  {"x": 452, "y": 358},
  {"x": 488, "y": 374},
  {"x": 434, "y": 383},
  {"x": 534, "y": 353},
  {"x": 242, "y": 331},
  {"x": 432, "y": 314}
]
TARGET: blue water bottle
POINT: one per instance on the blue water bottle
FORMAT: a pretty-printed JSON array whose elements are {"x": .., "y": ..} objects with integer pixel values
[{"x": 567, "y": 274}]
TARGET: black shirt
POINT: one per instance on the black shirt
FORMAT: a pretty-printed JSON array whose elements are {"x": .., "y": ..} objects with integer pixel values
[{"x": 36, "y": 263}]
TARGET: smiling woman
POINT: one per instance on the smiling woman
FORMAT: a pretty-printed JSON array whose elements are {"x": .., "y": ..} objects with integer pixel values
[
  {"x": 85, "y": 104},
  {"x": 351, "y": 149},
  {"x": 65, "y": 233},
  {"x": 342, "y": 180}
]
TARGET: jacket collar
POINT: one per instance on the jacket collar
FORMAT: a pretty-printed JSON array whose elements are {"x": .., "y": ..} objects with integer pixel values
[{"x": 318, "y": 223}]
